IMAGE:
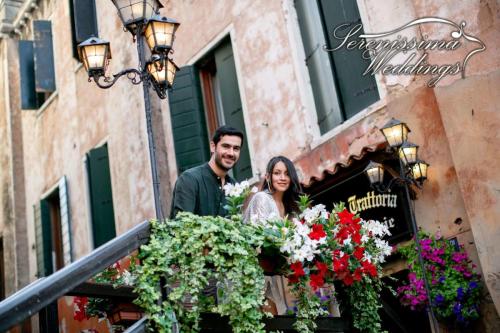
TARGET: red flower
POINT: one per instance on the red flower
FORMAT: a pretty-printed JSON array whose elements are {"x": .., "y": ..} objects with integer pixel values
[
  {"x": 358, "y": 274},
  {"x": 80, "y": 313},
  {"x": 341, "y": 264},
  {"x": 297, "y": 269},
  {"x": 356, "y": 238},
  {"x": 317, "y": 232},
  {"x": 316, "y": 281},
  {"x": 348, "y": 280},
  {"x": 369, "y": 268},
  {"x": 322, "y": 267},
  {"x": 359, "y": 252},
  {"x": 346, "y": 217}
]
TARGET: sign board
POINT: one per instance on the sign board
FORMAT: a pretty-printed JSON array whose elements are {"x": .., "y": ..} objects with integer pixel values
[{"x": 391, "y": 208}]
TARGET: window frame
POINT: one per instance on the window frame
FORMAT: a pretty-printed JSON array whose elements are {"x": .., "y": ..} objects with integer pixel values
[
  {"x": 229, "y": 31},
  {"x": 306, "y": 89}
]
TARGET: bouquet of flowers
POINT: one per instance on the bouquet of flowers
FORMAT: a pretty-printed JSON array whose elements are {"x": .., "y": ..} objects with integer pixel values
[
  {"x": 236, "y": 195},
  {"x": 455, "y": 288}
]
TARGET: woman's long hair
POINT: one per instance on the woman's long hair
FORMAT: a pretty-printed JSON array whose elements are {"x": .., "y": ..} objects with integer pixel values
[{"x": 291, "y": 195}]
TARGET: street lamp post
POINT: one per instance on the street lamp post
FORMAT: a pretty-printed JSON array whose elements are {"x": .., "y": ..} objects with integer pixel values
[
  {"x": 141, "y": 18},
  {"x": 412, "y": 171}
]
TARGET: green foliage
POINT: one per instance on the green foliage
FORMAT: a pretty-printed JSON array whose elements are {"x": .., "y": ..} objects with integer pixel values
[
  {"x": 309, "y": 308},
  {"x": 364, "y": 303},
  {"x": 188, "y": 252}
]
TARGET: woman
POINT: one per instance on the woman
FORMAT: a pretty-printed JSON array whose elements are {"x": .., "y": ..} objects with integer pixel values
[
  {"x": 276, "y": 200},
  {"x": 279, "y": 193}
]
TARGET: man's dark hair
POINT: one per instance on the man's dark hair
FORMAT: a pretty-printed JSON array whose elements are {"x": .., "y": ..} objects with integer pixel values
[{"x": 226, "y": 130}]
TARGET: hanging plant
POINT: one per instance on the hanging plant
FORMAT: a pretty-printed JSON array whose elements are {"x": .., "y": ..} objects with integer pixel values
[
  {"x": 189, "y": 251},
  {"x": 455, "y": 287}
]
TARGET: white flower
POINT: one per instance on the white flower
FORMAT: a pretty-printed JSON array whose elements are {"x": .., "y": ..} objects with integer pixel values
[
  {"x": 128, "y": 278},
  {"x": 313, "y": 213},
  {"x": 384, "y": 250},
  {"x": 347, "y": 241},
  {"x": 236, "y": 190},
  {"x": 376, "y": 228},
  {"x": 365, "y": 239},
  {"x": 254, "y": 189}
]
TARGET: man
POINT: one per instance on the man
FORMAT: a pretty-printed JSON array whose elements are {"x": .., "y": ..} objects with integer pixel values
[{"x": 199, "y": 190}]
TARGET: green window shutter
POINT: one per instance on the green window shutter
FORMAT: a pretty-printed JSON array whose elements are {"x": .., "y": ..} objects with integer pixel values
[
  {"x": 84, "y": 20},
  {"x": 27, "y": 75},
  {"x": 357, "y": 91},
  {"x": 231, "y": 104},
  {"x": 43, "y": 236},
  {"x": 40, "y": 260},
  {"x": 188, "y": 120},
  {"x": 101, "y": 197},
  {"x": 44, "y": 57},
  {"x": 318, "y": 63},
  {"x": 65, "y": 221}
]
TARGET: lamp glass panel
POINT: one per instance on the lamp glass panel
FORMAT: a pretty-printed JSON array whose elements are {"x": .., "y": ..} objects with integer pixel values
[
  {"x": 135, "y": 10},
  {"x": 156, "y": 70},
  {"x": 94, "y": 57},
  {"x": 164, "y": 33},
  {"x": 171, "y": 70},
  {"x": 419, "y": 171},
  {"x": 408, "y": 154},
  {"x": 160, "y": 34},
  {"x": 396, "y": 135},
  {"x": 375, "y": 175},
  {"x": 150, "y": 37}
]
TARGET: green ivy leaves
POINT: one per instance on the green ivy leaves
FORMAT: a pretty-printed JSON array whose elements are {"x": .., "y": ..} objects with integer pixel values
[{"x": 188, "y": 252}]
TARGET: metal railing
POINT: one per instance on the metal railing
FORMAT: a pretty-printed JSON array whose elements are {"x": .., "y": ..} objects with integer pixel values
[
  {"x": 42, "y": 292},
  {"x": 72, "y": 280}
]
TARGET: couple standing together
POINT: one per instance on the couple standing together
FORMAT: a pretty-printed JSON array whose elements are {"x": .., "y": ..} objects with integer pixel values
[{"x": 199, "y": 190}]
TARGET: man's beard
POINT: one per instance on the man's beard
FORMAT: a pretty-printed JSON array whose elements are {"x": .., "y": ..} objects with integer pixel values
[{"x": 218, "y": 161}]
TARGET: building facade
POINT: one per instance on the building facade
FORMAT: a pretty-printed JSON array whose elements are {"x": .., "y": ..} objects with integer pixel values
[{"x": 74, "y": 163}]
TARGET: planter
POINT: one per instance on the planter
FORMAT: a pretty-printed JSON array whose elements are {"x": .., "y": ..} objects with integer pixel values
[{"x": 124, "y": 314}]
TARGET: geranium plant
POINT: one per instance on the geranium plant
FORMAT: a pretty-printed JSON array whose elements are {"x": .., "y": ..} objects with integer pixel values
[
  {"x": 455, "y": 287},
  {"x": 321, "y": 247}
]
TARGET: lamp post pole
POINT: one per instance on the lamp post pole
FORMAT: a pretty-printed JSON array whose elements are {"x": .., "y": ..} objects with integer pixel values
[
  {"x": 149, "y": 127},
  {"x": 430, "y": 311},
  {"x": 143, "y": 21}
]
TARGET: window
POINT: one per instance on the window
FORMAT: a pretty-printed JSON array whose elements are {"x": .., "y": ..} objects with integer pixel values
[
  {"x": 204, "y": 97},
  {"x": 101, "y": 196},
  {"x": 36, "y": 66},
  {"x": 339, "y": 88},
  {"x": 83, "y": 22},
  {"x": 52, "y": 230}
]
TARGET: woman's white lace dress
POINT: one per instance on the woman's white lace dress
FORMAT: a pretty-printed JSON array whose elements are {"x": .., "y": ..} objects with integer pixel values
[{"x": 261, "y": 208}]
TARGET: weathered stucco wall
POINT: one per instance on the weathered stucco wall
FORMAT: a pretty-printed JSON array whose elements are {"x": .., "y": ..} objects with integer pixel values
[
  {"x": 460, "y": 144},
  {"x": 82, "y": 116},
  {"x": 265, "y": 68},
  {"x": 469, "y": 110}
]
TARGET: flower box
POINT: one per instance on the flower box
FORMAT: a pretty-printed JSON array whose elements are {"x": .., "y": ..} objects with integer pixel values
[
  {"x": 124, "y": 314},
  {"x": 215, "y": 323}
]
